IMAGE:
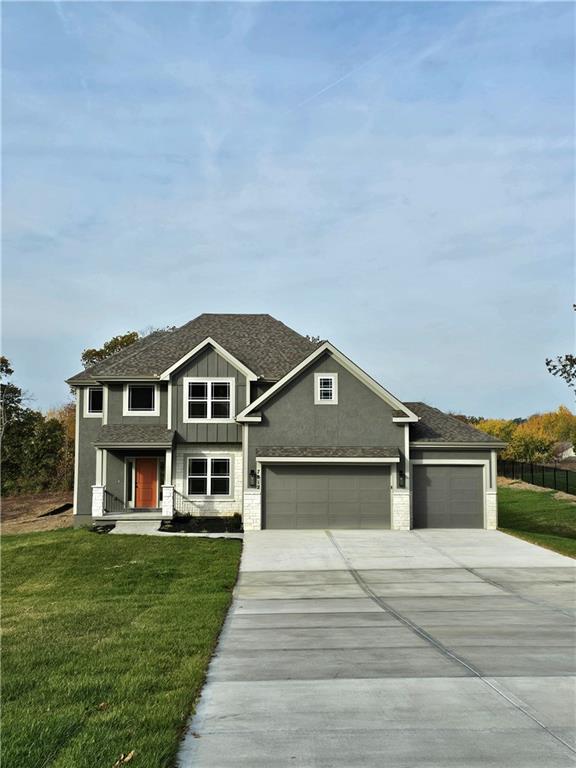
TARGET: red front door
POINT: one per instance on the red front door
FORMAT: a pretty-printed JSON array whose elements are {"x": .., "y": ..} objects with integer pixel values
[{"x": 146, "y": 483}]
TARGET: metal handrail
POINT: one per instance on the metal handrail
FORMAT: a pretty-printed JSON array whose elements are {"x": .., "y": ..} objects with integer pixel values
[
  {"x": 183, "y": 506},
  {"x": 112, "y": 504}
]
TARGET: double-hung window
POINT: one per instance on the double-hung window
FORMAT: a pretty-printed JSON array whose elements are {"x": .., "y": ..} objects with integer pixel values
[
  {"x": 208, "y": 399},
  {"x": 208, "y": 476},
  {"x": 326, "y": 388}
]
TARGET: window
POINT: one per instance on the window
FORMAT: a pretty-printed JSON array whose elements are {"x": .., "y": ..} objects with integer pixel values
[
  {"x": 141, "y": 400},
  {"x": 208, "y": 399},
  {"x": 208, "y": 477},
  {"x": 326, "y": 388},
  {"x": 95, "y": 401}
]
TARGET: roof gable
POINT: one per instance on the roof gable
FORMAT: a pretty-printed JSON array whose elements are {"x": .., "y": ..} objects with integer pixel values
[
  {"x": 404, "y": 414},
  {"x": 207, "y": 343}
]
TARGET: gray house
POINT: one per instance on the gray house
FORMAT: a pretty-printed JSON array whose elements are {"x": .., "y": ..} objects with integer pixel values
[{"x": 239, "y": 414}]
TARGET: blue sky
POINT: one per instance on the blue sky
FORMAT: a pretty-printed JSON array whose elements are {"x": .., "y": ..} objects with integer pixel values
[{"x": 396, "y": 177}]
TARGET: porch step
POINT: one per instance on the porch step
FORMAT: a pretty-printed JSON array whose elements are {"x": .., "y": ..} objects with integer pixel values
[
  {"x": 141, "y": 514},
  {"x": 139, "y": 527}
]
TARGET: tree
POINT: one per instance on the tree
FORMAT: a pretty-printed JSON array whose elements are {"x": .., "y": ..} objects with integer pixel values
[
  {"x": 66, "y": 416},
  {"x": 37, "y": 453},
  {"x": 474, "y": 420},
  {"x": 527, "y": 445},
  {"x": 42, "y": 458},
  {"x": 503, "y": 429},
  {"x": 115, "y": 344},
  {"x": 17, "y": 425},
  {"x": 564, "y": 366}
]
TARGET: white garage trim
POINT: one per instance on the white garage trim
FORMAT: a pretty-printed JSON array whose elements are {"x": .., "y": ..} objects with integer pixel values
[
  {"x": 323, "y": 460},
  {"x": 488, "y": 493}
]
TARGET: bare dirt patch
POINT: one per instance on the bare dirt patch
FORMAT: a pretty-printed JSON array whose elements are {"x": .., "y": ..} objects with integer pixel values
[
  {"x": 32, "y": 512},
  {"x": 520, "y": 485}
]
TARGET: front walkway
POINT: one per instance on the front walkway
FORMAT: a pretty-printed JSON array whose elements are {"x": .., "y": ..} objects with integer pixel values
[{"x": 353, "y": 649}]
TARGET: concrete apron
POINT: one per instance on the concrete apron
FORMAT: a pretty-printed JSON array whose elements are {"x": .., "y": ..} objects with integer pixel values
[{"x": 370, "y": 648}]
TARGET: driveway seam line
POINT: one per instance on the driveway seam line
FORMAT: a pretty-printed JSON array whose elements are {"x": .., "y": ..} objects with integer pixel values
[
  {"x": 438, "y": 645},
  {"x": 508, "y": 591}
]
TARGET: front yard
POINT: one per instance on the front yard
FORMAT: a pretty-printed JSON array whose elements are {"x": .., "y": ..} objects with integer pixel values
[
  {"x": 536, "y": 516},
  {"x": 106, "y": 641}
]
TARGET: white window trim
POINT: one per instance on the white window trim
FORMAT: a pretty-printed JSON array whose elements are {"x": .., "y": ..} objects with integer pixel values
[
  {"x": 89, "y": 414},
  {"x": 208, "y": 458},
  {"x": 209, "y": 381},
  {"x": 334, "y": 378},
  {"x": 125, "y": 409}
]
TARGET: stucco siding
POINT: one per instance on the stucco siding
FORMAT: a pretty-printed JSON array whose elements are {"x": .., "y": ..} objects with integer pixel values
[
  {"x": 88, "y": 429},
  {"x": 448, "y": 454},
  {"x": 210, "y": 364},
  {"x": 361, "y": 418}
]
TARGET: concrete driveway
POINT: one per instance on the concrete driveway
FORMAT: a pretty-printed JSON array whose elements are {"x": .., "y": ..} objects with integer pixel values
[{"x": 425, "y": 649}]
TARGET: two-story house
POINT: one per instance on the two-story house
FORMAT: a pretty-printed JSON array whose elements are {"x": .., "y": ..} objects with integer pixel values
[{"x": 239, "y": 414}]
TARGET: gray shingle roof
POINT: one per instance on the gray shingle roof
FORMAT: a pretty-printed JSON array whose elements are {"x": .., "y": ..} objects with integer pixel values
[
  {"x": 332, "y": 452},
  {"x": 265, "y": 345},
  {"x": 438, "y": 427},
  {"x": 134, "y": 434}
]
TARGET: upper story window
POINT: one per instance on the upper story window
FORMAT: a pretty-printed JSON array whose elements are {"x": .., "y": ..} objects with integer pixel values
[
  {"x": 208, "y": 399},
  {"x": 141, "y": 400},
  {"x": 94, "y": 403},
  {"x": 326, "y": 388}
]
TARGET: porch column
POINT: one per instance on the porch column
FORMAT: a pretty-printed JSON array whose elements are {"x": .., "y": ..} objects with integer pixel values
[
  {"x": 168, "y": 467},
  {"x": 99, "y": 467},
  {"x": 98, "y": 501}
]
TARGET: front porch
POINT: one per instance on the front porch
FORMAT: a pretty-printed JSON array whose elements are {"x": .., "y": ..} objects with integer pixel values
[
  {"x": 106, "y": 505},
  {"x": 144, "y": 473},
  {"x": 133, "y": 474}
]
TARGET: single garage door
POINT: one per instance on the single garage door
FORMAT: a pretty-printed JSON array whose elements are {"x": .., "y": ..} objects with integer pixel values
[
  {"x": 448, "y": 496},
  {"x": 323, "y": 496}
]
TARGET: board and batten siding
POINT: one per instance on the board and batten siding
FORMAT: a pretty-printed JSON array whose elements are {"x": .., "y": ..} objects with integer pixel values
[
  {"x": 210, "y": 364},
  {"x": 212, "y": 506}
]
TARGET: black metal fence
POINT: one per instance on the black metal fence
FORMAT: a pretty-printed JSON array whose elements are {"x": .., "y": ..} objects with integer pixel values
[{"x": 539, "y": 474}]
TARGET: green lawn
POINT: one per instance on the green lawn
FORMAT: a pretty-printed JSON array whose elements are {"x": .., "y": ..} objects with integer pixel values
[
  {"x": 538, "y": 517},
  {"x": 106, "y": 640}
]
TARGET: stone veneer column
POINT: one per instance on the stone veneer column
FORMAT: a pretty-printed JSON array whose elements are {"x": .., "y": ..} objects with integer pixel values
[
  {"x": 98, "y": 501},
  {"x": 168, "y": 501},
  {"x": 491, "y": 510},
  {"x": 401, "y": 519},
  {"x": 252, "y": 510}
]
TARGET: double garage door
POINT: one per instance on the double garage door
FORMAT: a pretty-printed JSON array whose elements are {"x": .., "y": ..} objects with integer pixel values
[
  {"x": 358, "y": 496},
  {"x": 324, "y": 496}
]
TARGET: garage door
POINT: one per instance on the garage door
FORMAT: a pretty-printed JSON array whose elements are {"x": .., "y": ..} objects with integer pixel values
[
  {"x": 448, "y": 496},
  {"x": 321, "y": 496}
]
